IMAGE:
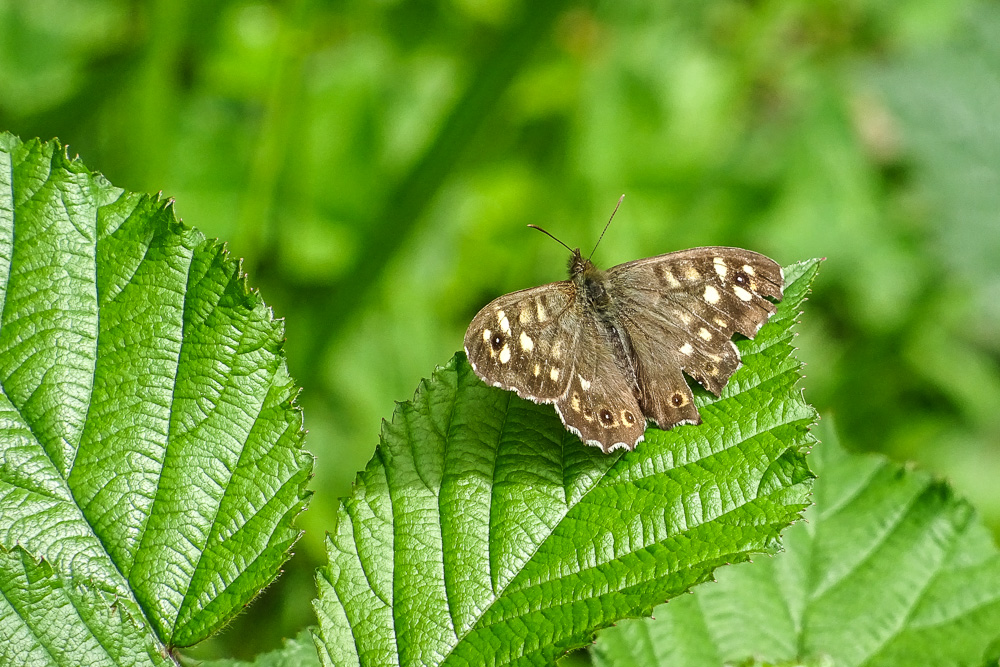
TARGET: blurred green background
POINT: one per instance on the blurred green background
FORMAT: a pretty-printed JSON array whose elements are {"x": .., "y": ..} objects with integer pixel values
[{"x": 376, "y": 163}]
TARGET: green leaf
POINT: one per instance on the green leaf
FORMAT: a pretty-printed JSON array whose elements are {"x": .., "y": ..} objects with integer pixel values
[
  {"x": 150, "y": 451},
  {"x": 889, "y": 569},
  {"x": 482, "y": 531},
  {"x": 300, "y": 651},
  {"x": 46, "y": 621}
]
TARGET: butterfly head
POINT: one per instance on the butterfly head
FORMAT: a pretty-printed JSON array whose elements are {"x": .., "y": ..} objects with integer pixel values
[
  {"x": 578, "y": 264},
  {"x": 590, "y": 280}
]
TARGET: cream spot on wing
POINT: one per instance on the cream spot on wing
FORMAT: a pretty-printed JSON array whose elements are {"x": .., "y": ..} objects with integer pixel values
[
  {"x": 720, "y": 267},
  {"x": 683, "y": 316},
  {"x": 748, "y": 270},
  {"x": 538, "y": 370},
  {"x": 524, "y": 317},
  {"x": 557, "y": 350},
  {"x": 691, "y": 273},
  {"x": 711, "y": 295},
  {"x": 504, "y": 322},
  {"x": 584, "y": 383},
  {"x": 742, "y": 293},
  {"x": 721, "y": 322},
  {"x": 526, "y": 343},
  {"x": 486, "y": 335},
  {"x": 554, "y": 374},
  {"x": 685, "y": 349},
  {"x": 540, "y": 311},
  {"x": 505, "y": 354},
  {"x": 671, "y": 278},
  {"x": 575, "y": 402},
  {"x": 704, "y": 333}
]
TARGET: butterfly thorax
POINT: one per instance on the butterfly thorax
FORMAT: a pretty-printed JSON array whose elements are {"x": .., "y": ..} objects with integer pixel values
[{"x": 590, "y": 280}]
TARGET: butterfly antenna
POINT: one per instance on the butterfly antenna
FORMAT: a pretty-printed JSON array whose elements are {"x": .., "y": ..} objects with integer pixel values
[
  {"x": 607, "y": 225},
  {"x": 552, "y": 237}
]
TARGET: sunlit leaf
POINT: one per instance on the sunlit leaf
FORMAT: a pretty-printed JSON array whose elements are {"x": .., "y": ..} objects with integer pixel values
[
  {"x": 45, "y": 620},
  {"x": 150, "y": 451},
  {"x": 890, "y": 568}
]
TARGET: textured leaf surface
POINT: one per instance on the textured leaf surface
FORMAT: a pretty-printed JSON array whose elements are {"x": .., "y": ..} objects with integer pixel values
[
  {"x": 483, "y": 532},
  {"x": 44, "y": 621},
  {"x": 889, "y": 569},
  {"x": 300, "y": 651},
  {"x": 149, "y": 447}
]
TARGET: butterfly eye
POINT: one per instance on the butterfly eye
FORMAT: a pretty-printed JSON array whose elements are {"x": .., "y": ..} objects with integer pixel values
[
  {"x": 741, "y": 278},
  {"x": 677, "y": 399},
  {"x": 606, "y": 417},
  {"x": 496, "y": 341}
]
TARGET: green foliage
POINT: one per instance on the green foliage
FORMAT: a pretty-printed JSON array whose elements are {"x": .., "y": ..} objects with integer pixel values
[
  {"x": 375, "y": 163},
  {"x": 300, "y": 651},
  {"x": 890, "y": 568},
  {"x": 481, "y": 516},
  {"x": 47, "y": 619},
  {"x": 150, "y": 451}
]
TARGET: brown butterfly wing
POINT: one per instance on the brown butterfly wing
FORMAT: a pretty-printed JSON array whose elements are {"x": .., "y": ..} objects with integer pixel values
[
  {"x": 600, "y": 405},
  {"x": 525, "y": 341},
  {"x": 680, "y": 311}
]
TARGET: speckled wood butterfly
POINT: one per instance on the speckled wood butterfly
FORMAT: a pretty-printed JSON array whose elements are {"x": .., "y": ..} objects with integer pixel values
[{"x": 610, "y": 348}]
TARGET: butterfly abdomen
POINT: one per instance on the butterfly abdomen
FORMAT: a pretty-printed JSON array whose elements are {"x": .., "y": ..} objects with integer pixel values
[{"x": 624, "y": 355}]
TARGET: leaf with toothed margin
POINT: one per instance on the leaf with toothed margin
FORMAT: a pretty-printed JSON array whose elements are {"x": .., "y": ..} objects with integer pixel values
[
  {"x": 483, "y": 532},
  {"x": 889, "y": 569},
  {"x": 151, "y": 456}
]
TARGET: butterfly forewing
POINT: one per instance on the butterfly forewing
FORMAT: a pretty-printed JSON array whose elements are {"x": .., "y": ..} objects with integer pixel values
[{"x": 525, "y": 341}]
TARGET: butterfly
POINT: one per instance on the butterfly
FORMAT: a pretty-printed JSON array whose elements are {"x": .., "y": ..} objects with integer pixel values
[{"x": 610, "y": 348}]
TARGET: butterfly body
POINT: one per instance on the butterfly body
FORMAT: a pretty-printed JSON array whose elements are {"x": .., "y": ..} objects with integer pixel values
[
  {"x": 593, "y": 287},
  {"x": 610, "y": 348},
  {"x": 590, "y": 280}
]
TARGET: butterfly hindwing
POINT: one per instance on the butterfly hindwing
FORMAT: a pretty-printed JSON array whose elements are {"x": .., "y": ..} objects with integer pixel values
[{"x": 599, "y": 404}]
